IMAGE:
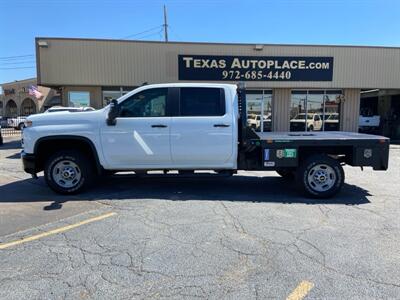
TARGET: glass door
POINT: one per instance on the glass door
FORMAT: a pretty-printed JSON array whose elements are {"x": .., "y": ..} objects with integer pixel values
[{"x": 259, "y": 110}]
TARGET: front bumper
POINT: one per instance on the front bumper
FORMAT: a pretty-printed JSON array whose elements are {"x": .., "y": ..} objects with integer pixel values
[{"x": 29, "y": 163}]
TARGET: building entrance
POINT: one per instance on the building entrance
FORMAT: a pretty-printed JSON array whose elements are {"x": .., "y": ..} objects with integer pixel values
[{"x": 259, "y": 110}]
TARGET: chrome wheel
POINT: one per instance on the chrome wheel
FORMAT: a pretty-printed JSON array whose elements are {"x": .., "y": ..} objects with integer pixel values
[
  {"x": 66, "y": 174},
  {"x": 321, "y": 177}
]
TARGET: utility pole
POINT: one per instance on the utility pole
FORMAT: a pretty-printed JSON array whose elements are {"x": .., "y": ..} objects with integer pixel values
[{"x": 165, "y": 25}]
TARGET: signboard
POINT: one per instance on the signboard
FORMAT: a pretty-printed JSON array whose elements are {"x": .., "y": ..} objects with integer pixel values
[
  {"x": 8, "y": 91},
  {"x": 255, "y": 68}
]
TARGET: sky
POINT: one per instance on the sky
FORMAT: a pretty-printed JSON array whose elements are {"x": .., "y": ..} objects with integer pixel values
[{"x": 326, "y": 22}]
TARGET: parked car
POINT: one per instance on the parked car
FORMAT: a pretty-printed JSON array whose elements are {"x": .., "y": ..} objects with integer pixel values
[
  {"x": 331, "y": 122},
  {"x": 1, "y": 137},
  {"x": 369, "y": 123},
  {"x": 69, "y": 109},
  {"x": 254, "y": 121},
  {"x": 17, "y": 123},
  {"x": 298, "y": 123},
  {"x": 3, "y": 122}
]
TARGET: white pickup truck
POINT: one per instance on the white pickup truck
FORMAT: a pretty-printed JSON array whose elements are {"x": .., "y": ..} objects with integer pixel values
[
  {"x": 314, "y": 122},
  {"x": 187, "y": 127},
  {"x": 17, "y": 123}
]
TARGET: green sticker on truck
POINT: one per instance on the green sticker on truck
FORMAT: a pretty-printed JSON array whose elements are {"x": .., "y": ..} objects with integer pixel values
[{"x": 286, "y": 153}]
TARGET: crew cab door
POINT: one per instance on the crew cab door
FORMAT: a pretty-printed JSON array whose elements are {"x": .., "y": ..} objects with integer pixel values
[
  {"x": 202, "y": 129},
  {"x": 141, "y": 136}
]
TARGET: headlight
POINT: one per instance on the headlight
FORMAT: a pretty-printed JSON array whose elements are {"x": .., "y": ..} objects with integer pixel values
[{"x": 28, "y": 123}]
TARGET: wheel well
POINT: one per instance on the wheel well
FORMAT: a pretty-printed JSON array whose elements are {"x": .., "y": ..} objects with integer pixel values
[
  {"x": 44, "y": 148},
  {"x": 342, "y": 153}
]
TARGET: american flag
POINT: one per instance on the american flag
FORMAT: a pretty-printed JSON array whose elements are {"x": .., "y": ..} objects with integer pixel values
[{"x": 33, "y": 91}]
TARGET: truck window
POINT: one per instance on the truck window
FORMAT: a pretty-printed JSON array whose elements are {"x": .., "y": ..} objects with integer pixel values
[
  {"x": 202, "y": 102},
  {"x": 148, "y": 103}
]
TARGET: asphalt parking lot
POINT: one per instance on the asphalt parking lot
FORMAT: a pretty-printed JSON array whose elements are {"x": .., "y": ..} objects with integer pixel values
[{"x": 251, "y": 236}]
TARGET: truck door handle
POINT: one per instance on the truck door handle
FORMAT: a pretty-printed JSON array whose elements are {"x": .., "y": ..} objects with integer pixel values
[
  {"x": 221, "y": 125},
  {"x": 159, "y": 126}
]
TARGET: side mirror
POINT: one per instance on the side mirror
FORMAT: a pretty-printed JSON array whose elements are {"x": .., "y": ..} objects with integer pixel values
[{"x": 113, "y": 113}]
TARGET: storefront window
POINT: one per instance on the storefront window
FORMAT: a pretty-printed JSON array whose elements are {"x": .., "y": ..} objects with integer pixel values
[
  {"x": 332, "y": 110},
  {"x": 108, "y": 96},
  {"x": 315, "y": 110},
  {"x": 259, "y": 110},
  {"x": 112, "y": 92},
  {"x": 79, "y": 99}
]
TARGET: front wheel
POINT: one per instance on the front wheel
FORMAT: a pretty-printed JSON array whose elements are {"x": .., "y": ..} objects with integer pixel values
[
  {"x": 21, "y": 126},
  {"x": 321, "y": 176},
  {"x": 68, "y": 172}
]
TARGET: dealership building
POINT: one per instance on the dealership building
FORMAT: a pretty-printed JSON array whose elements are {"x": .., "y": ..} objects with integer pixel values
[{"x": 325, "y": 87}]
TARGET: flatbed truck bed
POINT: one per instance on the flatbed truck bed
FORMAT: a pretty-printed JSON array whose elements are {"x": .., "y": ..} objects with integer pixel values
[{"x": 288, "y": 149}]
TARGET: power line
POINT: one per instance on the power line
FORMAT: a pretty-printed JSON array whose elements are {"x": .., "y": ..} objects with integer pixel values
[
  {"x": 15, "y": 57},
  {"x": 140, "y": 33},
  {"x": 17, "y": 68},
  {"x": 151, "y": 34},
  {"x": 17, "y": 62}
]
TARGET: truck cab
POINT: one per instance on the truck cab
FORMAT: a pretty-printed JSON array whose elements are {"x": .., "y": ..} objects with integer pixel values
[{"x": 172, "y": 126}]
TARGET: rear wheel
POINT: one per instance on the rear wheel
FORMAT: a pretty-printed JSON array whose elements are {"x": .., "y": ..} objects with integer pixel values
[
  {"x": 68, "y": 172},
  {"x": 21, "y": 126},
  {"x": 321, "y": 176}
]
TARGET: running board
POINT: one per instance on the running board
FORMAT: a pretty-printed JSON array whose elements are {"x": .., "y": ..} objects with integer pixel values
[{"x": 175, "y": 174}]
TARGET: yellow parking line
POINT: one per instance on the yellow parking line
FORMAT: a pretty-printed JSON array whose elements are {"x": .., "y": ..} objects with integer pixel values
[
  {"x": 55, "y": 231},
  {"x": 300, "y": 291}
]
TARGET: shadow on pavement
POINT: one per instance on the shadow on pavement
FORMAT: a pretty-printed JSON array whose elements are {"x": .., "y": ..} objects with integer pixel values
[
  {"x": 14, "y": 156},
  {"x": 237, "y": 188},
  {"x": 12, "y": 144}
]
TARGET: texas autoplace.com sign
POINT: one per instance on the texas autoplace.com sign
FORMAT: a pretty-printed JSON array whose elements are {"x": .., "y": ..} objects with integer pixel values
[{"x": 255, "y": 68}]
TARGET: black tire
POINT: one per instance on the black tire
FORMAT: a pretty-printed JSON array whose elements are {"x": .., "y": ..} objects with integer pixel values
[
  {"x": 317, "y": 188},
  {"x": 286, "y": 174},
  {"x": 311, "y": 128},
  {"x": 66, "y": 158},
  {"x": 21, "y": 126}
]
